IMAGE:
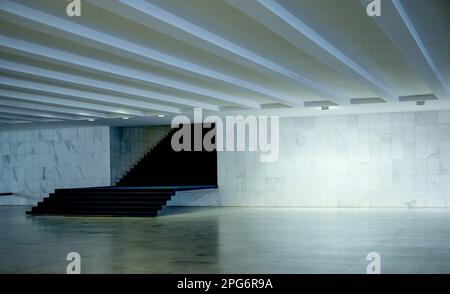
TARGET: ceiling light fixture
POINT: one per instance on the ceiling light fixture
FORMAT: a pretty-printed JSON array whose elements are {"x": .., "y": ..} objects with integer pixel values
[
  {"x": 161, "y": 115},
  {"x": 323, "y": 105},
  {"x": 125, "y": 117},
  {"x": 91, "y": 119},
  {"x": 416, "y": 98}
]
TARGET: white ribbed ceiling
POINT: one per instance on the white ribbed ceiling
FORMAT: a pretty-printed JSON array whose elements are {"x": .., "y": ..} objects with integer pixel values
[{"x": 143, "y": 58}]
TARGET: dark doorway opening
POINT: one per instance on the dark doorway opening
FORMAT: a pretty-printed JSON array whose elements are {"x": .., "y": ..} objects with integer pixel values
[{"x": 164, "y": 166}]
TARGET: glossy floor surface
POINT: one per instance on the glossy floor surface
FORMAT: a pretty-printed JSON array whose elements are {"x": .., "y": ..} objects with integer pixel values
[{"x": 229, "y": 240}]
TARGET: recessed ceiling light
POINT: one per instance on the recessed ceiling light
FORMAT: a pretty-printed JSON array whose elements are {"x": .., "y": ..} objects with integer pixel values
[
  {"x": 91, "y": 119},
  {"x": 420, "y": 103},
  {"x": 161, "y": 115},
  {"x": 125, "y": 117}
]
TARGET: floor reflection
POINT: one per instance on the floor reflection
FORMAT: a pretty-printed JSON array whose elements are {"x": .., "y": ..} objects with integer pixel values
[
  {"x": 165, "y": 244},
  {"x": 229, "y": 240}
]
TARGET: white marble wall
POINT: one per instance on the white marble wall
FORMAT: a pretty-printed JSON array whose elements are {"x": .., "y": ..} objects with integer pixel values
[
  {"x": 129, "y": 144},
  {"x": 367, "y": 160},
  {"x": 35, "y": 162}
]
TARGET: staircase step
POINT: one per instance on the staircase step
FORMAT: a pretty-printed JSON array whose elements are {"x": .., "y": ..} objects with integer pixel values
[
  {"x": 100, "y": 204},
  {"x": 112, "y": 201},
  {"x": 107, "y": 194},
  {"x": 116, "y": 190},
  {"x": 96, "y": 213},
  {"x": 111, "y": 198},
  {"x": 100, "y": 209},
  {"x": 95, "y": 208}
]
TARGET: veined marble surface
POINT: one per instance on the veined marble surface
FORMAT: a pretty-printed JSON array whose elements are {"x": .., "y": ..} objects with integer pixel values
[
  {"x": 35, "y": 162},
  {"x": 367, "y": 160}
]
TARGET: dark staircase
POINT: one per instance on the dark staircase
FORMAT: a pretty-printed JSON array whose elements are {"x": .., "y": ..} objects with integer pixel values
[
  {"x": 144, "y": 190},
  {"x": 103, "y": 201}
]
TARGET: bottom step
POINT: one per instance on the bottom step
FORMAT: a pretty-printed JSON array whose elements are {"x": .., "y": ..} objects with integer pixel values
[{"x": 95, "y": 213}]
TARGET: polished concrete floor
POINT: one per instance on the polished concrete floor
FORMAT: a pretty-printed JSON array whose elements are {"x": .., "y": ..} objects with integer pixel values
[{"x": 229, "y": 240}]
